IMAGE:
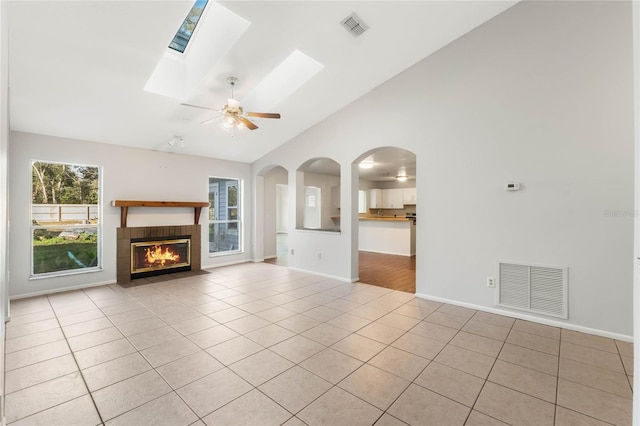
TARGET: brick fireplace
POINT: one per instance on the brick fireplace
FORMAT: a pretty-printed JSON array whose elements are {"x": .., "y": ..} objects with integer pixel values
[{"x": 155, "y": 235}]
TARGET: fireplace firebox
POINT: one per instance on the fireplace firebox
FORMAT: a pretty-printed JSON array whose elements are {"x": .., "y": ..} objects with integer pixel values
[
  {"x": 160, "y": 256},
  {"x": 157, "y": 236}
]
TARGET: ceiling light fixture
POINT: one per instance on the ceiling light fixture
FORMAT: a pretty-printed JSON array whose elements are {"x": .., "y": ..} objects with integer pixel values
[
  {"x": 366, "y": 164},
  {"x": 402, "y": 175}
]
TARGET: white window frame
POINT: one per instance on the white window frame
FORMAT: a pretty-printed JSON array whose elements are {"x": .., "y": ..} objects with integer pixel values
[
  {"x": 239, "y": 221},
  {"x": 98, "y": 226}
]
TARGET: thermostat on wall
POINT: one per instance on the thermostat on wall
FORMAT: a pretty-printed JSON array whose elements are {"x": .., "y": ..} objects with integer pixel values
[{"x": 512, "y": 186}]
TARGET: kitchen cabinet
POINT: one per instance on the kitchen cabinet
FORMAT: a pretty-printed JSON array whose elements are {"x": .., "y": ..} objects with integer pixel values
[
  {"x": 409, "y": 196},
  {"x": 375, "y": 198},
  {"x": 392, "y": 198}
]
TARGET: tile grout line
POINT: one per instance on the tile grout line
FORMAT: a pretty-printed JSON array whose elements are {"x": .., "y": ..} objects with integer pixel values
[
  {"x": 488, "y": 374},
  {"x": 403, "y": 334},
  {"x": 136, "y": 375},
  {"x": 342, "y": 312},
  {"x": 223, "y": 366},
  {"x": 300, "y": 366},
  {"x": 75, "y": 360}
]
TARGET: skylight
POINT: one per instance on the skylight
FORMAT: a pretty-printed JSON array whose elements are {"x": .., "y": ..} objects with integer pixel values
[
  {"x": 182, "y": 37},
  {"x": 285, "y": 79},
  {"x": 180, "y": 75}
]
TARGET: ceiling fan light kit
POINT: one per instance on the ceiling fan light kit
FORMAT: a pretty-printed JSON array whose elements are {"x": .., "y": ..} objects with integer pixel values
[{"x": 234, "y": 115}]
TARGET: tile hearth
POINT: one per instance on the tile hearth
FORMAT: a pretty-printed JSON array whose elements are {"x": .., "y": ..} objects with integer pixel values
[{"x": 258, "y": 344}]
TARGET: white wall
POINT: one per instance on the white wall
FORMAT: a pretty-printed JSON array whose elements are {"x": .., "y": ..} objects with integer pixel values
[
  {"x": 4, "y": 175},
  {"x": 282, "y": 209},
  {"x": 636, "y": 284},
  {"x": 541, "y": 95},
  {"x": 128, "y": 174},
  {"x": 275, "y": 176}
]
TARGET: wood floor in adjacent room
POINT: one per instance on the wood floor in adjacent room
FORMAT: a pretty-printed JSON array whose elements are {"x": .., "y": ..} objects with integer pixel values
[
  {"x": 383, "y": 270},
  {"x": 389, "y": 271}
]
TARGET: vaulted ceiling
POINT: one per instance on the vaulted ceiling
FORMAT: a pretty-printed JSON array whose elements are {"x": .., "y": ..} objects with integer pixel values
[{"x": 78, "y": 69}]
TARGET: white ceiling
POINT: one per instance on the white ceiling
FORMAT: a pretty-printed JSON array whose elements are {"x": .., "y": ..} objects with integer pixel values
[{"x": 78, "y": 68}]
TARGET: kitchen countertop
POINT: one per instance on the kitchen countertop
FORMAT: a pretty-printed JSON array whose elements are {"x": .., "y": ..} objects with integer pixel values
[{"x": 387, "y": 218}]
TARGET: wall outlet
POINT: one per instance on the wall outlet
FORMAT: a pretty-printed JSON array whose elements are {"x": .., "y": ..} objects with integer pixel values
[
  {"x": 292, "y": 252},
  {"x": 491, "y": 282},
  {"x": 319, "y": 256}
]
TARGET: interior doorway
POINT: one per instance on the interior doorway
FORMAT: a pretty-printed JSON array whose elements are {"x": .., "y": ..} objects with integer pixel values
[
  {"x": 276, "y": 215},
  {"x": 387, "y": 218}
]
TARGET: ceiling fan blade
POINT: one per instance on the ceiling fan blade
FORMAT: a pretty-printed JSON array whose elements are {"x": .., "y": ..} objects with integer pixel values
[
  {"x": 201, "y": 107},
  {"x": 247, "y": 123},
  {"x": 211, "y": 119},
  {"x": 263, "y": 114}
]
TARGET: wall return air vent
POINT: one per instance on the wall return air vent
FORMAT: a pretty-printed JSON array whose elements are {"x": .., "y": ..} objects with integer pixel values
[
  {"x": 533, "y": 288},
  {"x": 354, "y": 25}
]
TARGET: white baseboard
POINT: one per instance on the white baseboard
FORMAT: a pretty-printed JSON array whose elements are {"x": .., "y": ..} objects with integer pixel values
[
  {"x": 234, "y": 262},
  {"x": 545, "y": 321},
  {"x": 333, "y": 277},
  {"x": 60, "y": 290},
  {"x": 388, "y": 252}
]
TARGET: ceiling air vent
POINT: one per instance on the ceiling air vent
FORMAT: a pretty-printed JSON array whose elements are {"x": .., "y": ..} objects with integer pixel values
[{"x": 354, "y": 25}]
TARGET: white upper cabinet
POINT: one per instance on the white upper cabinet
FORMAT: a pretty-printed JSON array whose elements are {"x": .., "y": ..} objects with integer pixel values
[
  {"x": 392, "y": 198},
  {"x": 375, "y": 198},
  {"x": 409, "y": 195}
]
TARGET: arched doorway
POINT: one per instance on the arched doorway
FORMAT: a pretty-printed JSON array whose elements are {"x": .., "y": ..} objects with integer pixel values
[{"x": 387, "y": 218}]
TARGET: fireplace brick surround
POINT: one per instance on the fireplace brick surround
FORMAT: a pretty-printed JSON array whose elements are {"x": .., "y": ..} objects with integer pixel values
[{"x": 125, "y": 235}]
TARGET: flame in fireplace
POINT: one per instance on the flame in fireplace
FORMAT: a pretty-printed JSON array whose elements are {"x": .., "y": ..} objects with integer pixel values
[{"x": 156, "y": 256}]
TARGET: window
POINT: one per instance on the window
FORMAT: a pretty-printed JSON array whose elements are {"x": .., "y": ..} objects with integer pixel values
[
  {"x": 65, "y": 218},
  {"x": 225, "y": 224},
  {"x": 182, "y": 37},
  {"x": 362, "y": 201}
]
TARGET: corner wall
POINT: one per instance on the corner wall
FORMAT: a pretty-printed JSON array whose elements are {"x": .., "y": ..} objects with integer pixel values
[
  {"x": 636, "y": 284},
  {"x": 4, "y": 193},
  {"x": 127, "y": 174},
  {"x": 540, "y": 95}
]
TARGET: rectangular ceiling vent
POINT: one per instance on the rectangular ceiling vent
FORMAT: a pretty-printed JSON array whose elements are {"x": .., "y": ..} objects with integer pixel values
[
  {"x": 533, "y": 288},
  {"x": 354, "y": 25}
]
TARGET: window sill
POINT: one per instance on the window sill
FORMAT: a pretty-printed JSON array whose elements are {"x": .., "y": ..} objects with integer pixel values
[
  {"x": 226, "y": 253},
  {"x": 64, "y": 273}
]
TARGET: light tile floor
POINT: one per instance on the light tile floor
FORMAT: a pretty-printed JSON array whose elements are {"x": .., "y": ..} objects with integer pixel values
[{"x": 258, "y": 344}]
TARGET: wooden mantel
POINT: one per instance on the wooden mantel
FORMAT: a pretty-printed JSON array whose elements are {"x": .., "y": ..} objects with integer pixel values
[{"x": 125, "y": 204}]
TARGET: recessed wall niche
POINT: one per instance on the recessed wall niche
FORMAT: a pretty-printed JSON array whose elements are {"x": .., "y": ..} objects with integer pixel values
[{"x": 318, "y": 195}]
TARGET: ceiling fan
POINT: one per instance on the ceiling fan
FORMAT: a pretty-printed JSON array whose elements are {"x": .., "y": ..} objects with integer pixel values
[{"x": 233, "y": 114}]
